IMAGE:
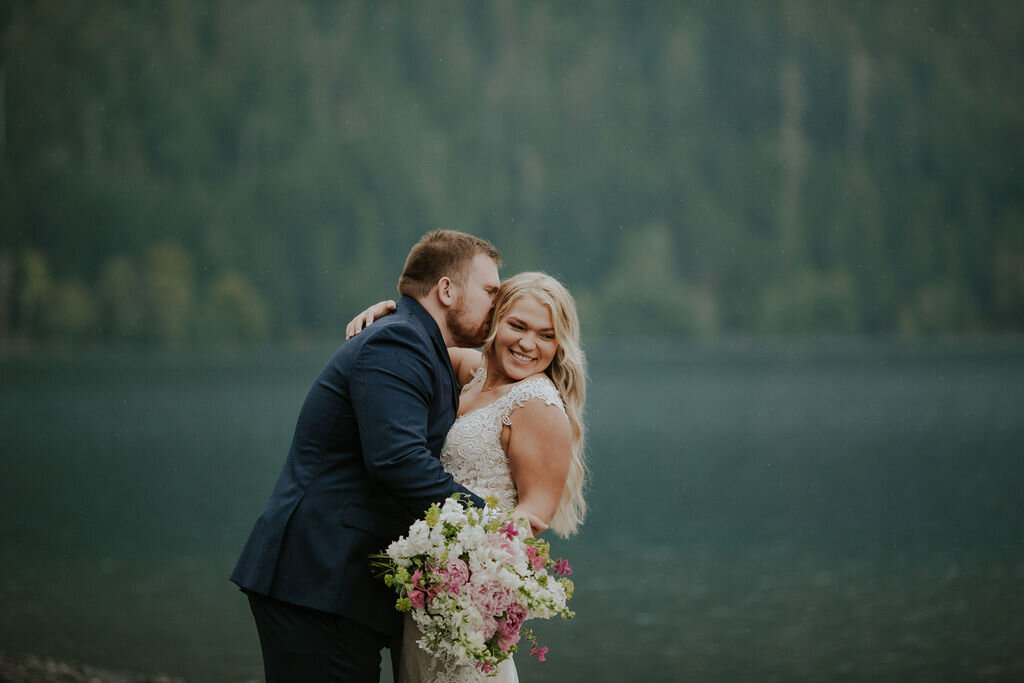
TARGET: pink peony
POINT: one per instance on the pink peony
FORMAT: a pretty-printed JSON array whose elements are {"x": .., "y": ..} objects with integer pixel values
[
  {"x": 489, "y": 595},
  {"x": 536, "y": 558},
  {"x": 487, "y": 627},
  {"x": 455, "y": 575},
  {"x": 515, "y": 615},
  {"x": 506, "y": 639},
  {"x": 498, "y": 542},
  {"x": 508, "y": 628},
  {"x": 419, "y": 594}
]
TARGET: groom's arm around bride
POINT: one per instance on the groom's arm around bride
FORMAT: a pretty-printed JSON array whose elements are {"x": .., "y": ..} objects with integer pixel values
[{"x": 362, "y": 466}]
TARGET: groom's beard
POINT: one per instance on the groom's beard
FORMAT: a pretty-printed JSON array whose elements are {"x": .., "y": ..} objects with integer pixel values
[{"x": 463, "y": 333}]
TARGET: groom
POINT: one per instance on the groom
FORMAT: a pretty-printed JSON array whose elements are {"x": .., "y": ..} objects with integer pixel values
[{"x": 363, "y": 465}]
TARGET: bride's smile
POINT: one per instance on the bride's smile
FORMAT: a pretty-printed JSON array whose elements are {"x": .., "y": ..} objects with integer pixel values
[{"x": 521, "y": 357}]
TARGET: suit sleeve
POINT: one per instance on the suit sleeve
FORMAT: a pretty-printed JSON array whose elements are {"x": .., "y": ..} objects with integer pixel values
[{"x": 391, "y": 384}]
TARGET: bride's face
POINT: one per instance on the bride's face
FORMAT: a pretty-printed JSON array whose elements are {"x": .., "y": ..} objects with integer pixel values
[{"x": 524, "y": 343}]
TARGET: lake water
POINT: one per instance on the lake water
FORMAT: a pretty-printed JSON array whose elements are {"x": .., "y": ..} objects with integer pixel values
[{"x": 759, "y": 511}]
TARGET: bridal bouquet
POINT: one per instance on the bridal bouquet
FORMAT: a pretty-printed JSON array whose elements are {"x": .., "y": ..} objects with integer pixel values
[{"x": 470, "y": 578}]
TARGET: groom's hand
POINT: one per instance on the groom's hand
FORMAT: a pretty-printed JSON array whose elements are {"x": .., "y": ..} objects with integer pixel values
[{"x": 359, "y": 323}]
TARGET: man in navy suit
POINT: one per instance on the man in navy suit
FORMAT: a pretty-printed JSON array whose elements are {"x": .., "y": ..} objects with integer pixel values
[{"x": 363, "y": 465}]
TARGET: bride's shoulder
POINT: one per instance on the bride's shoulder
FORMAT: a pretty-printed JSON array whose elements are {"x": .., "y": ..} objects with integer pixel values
[
  {"x": 535, "y": 405},
  {"x": 537, "y": 386},
  {"x": 537, "y": 377}
]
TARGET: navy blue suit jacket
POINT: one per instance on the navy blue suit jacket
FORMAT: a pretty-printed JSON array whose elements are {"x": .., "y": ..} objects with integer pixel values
[{"x": 363, "y": 466}]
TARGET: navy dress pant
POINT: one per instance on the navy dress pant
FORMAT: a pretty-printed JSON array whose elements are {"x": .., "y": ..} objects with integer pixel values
[{"x": 302, "y": 645}]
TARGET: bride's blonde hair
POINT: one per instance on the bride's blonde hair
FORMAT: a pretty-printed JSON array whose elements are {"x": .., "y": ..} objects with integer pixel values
[{"x": 567, "y": 371}]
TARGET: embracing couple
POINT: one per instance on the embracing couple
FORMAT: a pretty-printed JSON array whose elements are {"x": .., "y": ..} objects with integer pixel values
[{"x": 405, "y": 414}]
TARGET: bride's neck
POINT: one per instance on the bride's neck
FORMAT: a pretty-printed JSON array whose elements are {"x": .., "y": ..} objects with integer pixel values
[{"x": 494, "y": 379}]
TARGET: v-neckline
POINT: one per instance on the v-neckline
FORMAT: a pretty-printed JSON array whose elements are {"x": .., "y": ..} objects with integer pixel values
[{"x": 482, "y": 376}]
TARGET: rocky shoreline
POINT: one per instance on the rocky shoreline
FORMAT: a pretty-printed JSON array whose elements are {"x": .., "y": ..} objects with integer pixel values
[{"x": 33, "y": 669}]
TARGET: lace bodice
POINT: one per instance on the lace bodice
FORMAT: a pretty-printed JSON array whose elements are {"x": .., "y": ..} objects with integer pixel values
[{"x": 472, "y": 451}]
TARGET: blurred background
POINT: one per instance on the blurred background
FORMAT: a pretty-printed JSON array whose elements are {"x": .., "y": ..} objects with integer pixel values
[{"x": 795, "y": 231}]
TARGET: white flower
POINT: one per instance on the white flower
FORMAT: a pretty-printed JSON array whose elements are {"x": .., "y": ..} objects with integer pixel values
[
  {"x": 471, "y": 536},
  {"x": 453, "y": 512},
  {"x": 509, "y": 579},
  {"x": 419, "y": 538}
]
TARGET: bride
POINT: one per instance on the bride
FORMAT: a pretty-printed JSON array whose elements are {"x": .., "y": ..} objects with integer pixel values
[{"x": 519, "y": 431}]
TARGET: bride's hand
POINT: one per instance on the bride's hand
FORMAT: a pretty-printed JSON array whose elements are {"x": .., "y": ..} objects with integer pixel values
[
  {"x": 359, "y": 323},
  {"x": 537, "y": 525}
]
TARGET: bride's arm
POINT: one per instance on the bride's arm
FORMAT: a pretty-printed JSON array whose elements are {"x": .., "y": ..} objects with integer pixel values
[
  {"x": 359, "y": 323},
  {"x": 539, "y": 452},
  {"x": 465, "y": 362}
]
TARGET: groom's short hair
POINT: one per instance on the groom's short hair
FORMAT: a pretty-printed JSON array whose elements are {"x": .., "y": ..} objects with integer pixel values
[{"x": 442, "y": 253}]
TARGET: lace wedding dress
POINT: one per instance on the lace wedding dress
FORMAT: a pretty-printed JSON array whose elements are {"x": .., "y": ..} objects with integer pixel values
[{"x": 473, "y": 455}]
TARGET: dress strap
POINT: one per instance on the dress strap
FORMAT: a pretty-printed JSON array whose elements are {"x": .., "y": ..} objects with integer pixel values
[
  {"x": 535, "y": 387},
  {"x": 478, "y": 376}
]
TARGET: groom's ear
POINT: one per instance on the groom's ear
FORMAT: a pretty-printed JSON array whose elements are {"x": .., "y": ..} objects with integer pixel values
[{"x": 446, "y": 291}]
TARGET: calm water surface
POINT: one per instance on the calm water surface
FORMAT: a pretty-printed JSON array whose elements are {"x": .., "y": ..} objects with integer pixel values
[{"x": 840, "y": 511}]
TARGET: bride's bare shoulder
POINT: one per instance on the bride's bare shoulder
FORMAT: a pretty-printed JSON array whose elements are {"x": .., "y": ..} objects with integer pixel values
[
  {"x": 538, "y": 380},
  {"x": 537, "y": 391}
]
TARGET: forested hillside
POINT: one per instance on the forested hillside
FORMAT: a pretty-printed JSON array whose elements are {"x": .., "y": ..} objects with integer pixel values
[{"x": 196, "y": 171}]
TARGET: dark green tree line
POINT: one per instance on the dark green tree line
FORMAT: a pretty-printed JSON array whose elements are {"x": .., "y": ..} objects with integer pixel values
[{"x": 186, "y": 171}]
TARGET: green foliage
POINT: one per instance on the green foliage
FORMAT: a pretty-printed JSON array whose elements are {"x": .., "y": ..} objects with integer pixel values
[
  {"x": 71, "y": 311},
  {"x": 122, "y": 309},
  {"x": 810, "y": 302},
  {"x": 645, "y": 295},
  {"x": 235, "y": 311},
  {"x": 167, "y": 290},
  {"x": 227, "y": 171},
  {"x": 940, "y": 307},
  {"x": 33, "y": 288},
  {"x": 1008, "y": 269}
]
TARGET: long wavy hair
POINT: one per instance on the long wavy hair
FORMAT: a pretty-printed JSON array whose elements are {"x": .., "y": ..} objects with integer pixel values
[{"x": 567, "y": 371}]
